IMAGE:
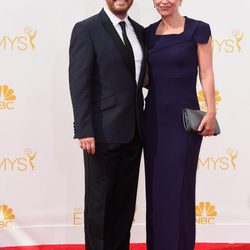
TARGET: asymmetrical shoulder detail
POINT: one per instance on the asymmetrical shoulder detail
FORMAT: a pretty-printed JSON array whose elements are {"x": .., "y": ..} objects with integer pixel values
[
  {"x": 202, "y": 32},
  {"x": 195, "y": 31}
]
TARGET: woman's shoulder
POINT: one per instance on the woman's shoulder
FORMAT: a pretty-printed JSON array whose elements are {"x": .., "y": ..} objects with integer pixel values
[
  {"x": 200, "y": 30},
  {"x": 151, "y": 27},
  {"x": 198, "y": 24},
  {"x": 149, "y": 33},
  {"x": 196, "y": 21}
]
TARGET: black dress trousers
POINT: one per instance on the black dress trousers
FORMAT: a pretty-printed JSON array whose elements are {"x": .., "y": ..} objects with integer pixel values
[{"x": 111, "y": 178}]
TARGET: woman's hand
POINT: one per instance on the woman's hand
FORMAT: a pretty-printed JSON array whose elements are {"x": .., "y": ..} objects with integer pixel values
[{"x": 207, "y": 125}]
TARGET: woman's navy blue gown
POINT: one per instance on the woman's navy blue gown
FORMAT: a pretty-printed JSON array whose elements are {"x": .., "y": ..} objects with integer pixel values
[{"x": 171, "y": 154}]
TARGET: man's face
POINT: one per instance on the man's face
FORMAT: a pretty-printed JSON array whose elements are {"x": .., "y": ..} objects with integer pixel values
[{"x": 119, "y": 7}]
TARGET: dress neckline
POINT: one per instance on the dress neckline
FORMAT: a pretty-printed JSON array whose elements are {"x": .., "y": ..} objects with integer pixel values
[{"x": 172, "y": 34}]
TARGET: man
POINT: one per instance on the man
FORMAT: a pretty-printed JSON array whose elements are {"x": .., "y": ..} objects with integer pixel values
[{"x": 107, "y": 67}]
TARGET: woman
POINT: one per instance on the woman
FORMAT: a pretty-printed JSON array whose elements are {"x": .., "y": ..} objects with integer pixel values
[{"x": 177, "y": 47}]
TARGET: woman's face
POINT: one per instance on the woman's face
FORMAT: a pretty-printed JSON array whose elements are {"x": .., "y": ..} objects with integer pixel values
[{"x": 167, "y": 7}]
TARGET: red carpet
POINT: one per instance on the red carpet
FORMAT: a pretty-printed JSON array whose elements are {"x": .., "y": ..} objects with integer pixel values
[{"x": 199, "y": 246}]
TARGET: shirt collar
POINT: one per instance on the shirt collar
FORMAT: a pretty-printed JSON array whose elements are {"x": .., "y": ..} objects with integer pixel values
[{"x": 114, "y": 19}]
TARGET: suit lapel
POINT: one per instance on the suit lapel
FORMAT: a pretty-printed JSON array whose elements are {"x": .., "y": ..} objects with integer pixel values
[{"x": 110, "y": 29}]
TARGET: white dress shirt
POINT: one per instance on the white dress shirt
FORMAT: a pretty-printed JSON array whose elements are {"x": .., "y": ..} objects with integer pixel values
[{"x": 132, "y": 38}]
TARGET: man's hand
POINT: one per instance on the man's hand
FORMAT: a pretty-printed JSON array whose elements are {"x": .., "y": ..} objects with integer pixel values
[{"x": 88, "y": 144}]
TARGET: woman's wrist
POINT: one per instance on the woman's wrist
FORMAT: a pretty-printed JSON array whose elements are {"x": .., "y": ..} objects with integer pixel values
[{"x": 211, "y": 112}]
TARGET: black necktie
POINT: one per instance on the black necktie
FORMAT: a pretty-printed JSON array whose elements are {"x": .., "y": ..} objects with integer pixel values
[{"x": 128, "y": 46}]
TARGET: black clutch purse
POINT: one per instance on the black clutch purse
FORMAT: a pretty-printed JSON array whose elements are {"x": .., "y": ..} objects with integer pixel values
[{"x": 192, "y": 119}]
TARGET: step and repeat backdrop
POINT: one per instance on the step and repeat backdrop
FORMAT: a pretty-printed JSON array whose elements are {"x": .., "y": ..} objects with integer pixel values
[{"x": 41, "y": 166}]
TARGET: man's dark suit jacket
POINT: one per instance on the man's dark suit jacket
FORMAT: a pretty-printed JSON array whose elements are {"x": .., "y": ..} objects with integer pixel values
[{"x": 107, "y": 101}]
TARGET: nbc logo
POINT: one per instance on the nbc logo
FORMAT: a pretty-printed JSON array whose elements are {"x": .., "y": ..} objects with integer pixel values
[
  {"x": 7, "y": 97},
  {"x": 205, "y": 213},
  {"x": 20, "y": 42},
  {"x": 230, "y": 44},
  {"x": 202, "y": 102},
  {"x": 6, "y": 216}
]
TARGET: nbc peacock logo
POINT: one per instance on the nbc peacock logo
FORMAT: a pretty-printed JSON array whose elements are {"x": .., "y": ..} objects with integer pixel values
[
  {"x": 7, "y": 97},
  {"x": 205, "y": 213},
  {"x": 7, "y": 216},
  {"x": 202, "y": 101}
]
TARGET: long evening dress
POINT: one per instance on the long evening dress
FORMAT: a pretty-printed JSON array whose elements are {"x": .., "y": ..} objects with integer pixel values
[{"x": 171, "y": 153}]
